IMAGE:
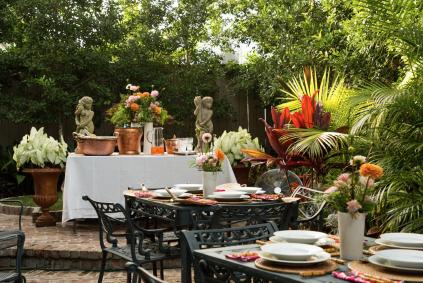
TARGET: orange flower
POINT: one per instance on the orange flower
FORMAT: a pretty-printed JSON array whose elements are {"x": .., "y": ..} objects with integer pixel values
[
  {"x": 157, "y": 110},
  {"x": 138, "y": 93},
  {"x": 371, "y": 170},
  {"x": 219, "y": 154},
  {"x": 134, "y": 107},
  {"x": 145, "y": 94}
]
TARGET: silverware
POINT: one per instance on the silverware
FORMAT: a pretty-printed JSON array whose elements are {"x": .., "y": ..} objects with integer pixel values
[{"x": 173, "y": 197}]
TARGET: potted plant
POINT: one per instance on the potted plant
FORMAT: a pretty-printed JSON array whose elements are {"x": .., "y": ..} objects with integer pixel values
[
  {"x": 232, "y": 143},
  {"x": 349, "y": 195},
  {"x": 136, "y": 109},
  {"x": 210, "y": 162},
  {"x": 44, "y": 158}
]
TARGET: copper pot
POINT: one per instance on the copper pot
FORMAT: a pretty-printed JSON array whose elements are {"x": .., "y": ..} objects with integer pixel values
[
  {"x": 95, "y": 145},
  {"x": 171, "y": 145},
  {"x": 129, "y": 140},
  {"x": 45, "y": 187}
]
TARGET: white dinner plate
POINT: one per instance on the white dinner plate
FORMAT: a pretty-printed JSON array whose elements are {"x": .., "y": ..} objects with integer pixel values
[
  {"x": 164, "y": 193},
  {"x": 189, "y": 187},
  {"x": 220, "y": 198},
  {"x": 229, "y": 194},
  {"x": 321, "y": 242},
  {"x": 402, "y": 258},
  {"x": 300, "y": 236},
  {"x": 228, "y": 186},
  {"x": 389, "y": 244},
  {"x": 374, "y": 259},
  {"x": 248, "y": 190},
  {"x": 291, "y": 251},
  {"x": 403, "y": 239},
  {"x": 318, "y": 258}
]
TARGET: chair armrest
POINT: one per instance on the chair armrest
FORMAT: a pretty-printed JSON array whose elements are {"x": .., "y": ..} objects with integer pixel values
[{"x": 20, "y": 210}]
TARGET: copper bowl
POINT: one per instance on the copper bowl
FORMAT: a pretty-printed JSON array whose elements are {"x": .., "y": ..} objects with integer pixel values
[{"x": 95, "y": 145}]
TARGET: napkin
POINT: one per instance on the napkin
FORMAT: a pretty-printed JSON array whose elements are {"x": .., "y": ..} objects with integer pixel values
[{"x": 244, "y": 256}]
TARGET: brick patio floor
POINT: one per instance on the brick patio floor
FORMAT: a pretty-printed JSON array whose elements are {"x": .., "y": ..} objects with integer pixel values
[{"x": 60, "y": 254}]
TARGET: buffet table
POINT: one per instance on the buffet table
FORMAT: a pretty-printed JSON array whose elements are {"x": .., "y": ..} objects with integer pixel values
[{"x": 105, "y": 178}]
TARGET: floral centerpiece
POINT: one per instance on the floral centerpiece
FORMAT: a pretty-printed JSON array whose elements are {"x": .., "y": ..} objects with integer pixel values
[
  {"x": 350, "y": 196},
  {"x": 210, "y": 162},
  {"x": 44, "y": 158}
]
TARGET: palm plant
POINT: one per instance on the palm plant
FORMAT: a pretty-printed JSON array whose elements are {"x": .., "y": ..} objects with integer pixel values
[{"x": 390, "y": 116}]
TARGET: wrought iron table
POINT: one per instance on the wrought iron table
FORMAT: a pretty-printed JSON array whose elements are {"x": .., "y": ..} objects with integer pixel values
[
  {"x": 229, "y": 269},
  {"x": 181, "y": 217}
]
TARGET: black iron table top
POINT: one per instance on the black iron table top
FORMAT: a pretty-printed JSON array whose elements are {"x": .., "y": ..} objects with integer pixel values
[{"x": 216, "y": 257}]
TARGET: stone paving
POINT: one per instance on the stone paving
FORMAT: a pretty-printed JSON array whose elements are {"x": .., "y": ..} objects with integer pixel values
[{"x": 66, "y": 252}]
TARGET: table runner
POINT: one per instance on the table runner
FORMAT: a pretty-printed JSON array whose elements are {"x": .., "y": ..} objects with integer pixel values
[{"x": 104, "y": 178}]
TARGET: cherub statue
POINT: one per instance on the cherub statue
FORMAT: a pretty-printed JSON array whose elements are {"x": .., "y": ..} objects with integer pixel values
[
  {"x": 203, "y": 122},
  {"x": 84, "y": 116}
]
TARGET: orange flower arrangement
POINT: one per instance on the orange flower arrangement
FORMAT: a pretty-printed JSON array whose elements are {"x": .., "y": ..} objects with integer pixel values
[
  {"x": 371, "y": 170},
  {"x": 134, "y": 107},
  {"x": 219, "y": 154}
]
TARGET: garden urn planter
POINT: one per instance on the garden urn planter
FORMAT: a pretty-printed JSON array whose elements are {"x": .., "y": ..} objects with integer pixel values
[
  {"x": 209, "y": 183},
  {"x": 242, "y": 173},
  {"x": 129, "y": 140},
  {"x": 45, "y": 188},
  {"x": 351, "y": 235}
]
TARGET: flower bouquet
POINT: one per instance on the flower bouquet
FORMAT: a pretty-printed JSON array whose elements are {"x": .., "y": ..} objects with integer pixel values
[
  {"x": 210, "y": 162},
  {"x": 349, "y": 195}
]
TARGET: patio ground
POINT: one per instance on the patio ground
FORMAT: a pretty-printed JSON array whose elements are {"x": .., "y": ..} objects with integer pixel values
[{"x": 62, "y": 254}]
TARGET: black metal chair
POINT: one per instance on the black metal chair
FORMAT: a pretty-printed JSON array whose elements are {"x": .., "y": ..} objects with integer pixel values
[
  {"x": 214, "y": 238},
  {"x": 10, "y": 239},
  {"x": 114, "y": 223},
  {"x": 137, "y": 273},
  {"x": 283, "y": 214},
  {"x": 310, "y": 208}
]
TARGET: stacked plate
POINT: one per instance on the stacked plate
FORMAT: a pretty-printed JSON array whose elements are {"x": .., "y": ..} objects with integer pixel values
[
  {"x": 189, "y": 187},
  {"x": 162, "y": 193},
  {"x": 401, "y": 240},
  {"x": 293, "y": 254},
  {"x": 249, "y": 190},
  {"x": 399, "y": 259},
  {"x": 299, "y": 236},
  {"x": 229, "y": 195}
]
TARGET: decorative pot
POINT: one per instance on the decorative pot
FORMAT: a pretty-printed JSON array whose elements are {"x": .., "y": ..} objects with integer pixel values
[
  {"x": 129, "y": 140},
  {"x": 242, "y": 173},
  {"x": 148, "y": 130},
  {"x": 45, "y": 187},
  {"x": 209, "y": 183},
  {"x": 351, "y": 235}
]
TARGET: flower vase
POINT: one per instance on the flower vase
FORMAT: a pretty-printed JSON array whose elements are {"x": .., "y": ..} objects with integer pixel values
[
  {"x": 351, "y": 235},
  {"x": 148, "y": 133},
  {"x": 209, "y": 183}
]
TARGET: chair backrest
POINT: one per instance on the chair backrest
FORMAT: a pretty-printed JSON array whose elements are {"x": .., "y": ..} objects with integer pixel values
[
  {"x": 252, "y": 214},
  {"x": 311, "y": 205},
  {"x": 137, "y": 273},
  {"x": 113, "y": 220}
]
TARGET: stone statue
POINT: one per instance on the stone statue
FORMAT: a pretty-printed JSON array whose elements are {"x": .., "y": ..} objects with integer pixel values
[
  {"x": 84, "y": 116},
  {"x": 203, "y": 122}
]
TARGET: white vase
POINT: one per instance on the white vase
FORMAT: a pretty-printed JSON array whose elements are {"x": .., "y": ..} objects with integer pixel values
[
  {"x": 209, "y": 183},
  {"x": 351, "y": 235},
  {"x": 148, "y": 137}
]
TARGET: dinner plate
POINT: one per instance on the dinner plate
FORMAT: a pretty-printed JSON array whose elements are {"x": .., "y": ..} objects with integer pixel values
[
  {"x": 374, "y": 259},
  {"x": 220, "y": 198},
  {"x": 291, "y": 251},
  {"x": 230, "y": 194},
  {"x": 318, "y": 258},
  {"x": 402, "y": 258},
  {"x": 228, "y": 186},
  {"x": 300, "y": 236},
  {"x": 189, "y": 187},
  {"x": 164, "y": 193},
  {"x": 403, "y": 239},
  {"x": 388, "y": 244},
  {"x": 248, "y": 190},
  {"x": 321, "y": 242}
]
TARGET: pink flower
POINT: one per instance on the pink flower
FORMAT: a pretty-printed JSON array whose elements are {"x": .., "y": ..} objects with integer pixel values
[
  {"x": 200, "y": 160},
  {"x": 331, "y": 190},
  {"x": 131, "y": 99},
  {"x": 353, "y": 206},
  {"x": 206, "y": 137},
  {"x": 367, "y": 181},
  {"x": 154, "y": 93},
  {"x": 344, "y": 177},
  {"x": 134, "y": 88}
]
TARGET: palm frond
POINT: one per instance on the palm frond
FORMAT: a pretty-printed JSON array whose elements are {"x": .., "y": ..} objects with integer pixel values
[{"x": 313, "y": 142}]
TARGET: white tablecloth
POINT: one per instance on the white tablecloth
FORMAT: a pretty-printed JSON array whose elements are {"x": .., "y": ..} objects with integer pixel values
[{"x": 104, "y": 178}]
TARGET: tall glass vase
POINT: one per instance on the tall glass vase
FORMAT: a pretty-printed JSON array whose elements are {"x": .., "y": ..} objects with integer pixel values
[
  {"x": 148, "y": 137},
  {"x": 351, "y": 235},
  {"x": 209, "y": 183}
]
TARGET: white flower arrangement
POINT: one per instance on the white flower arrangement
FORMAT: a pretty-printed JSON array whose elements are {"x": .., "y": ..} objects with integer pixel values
[
  {"x": 232, "y": 142},
  {"x": 37, "y": 149}
]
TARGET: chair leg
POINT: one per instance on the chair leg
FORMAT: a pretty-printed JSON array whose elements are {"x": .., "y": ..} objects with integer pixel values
[
  {"x": 155, "y": 268},
  {"x": 103, "y": 267},
  {"x": 161, "y": 270}
]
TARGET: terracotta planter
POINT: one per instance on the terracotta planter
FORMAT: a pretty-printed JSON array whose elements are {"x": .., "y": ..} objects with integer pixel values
[
  {"x": 241, "y": 174},
  {"x": 45, "y": 187},
  {"x": 129, "y": 140}
]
